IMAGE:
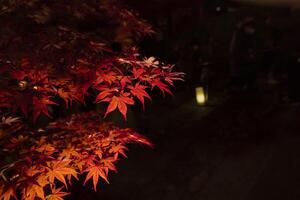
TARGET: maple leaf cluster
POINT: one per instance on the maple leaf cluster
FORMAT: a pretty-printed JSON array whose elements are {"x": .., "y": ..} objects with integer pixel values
[
  {"x": 118, "y": 80},
  {"x": 48, "y": 160},
  {"x": 55, "y": 65}
]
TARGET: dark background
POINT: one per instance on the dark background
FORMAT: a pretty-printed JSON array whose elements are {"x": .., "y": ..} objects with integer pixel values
[{"x": 242, "y": 144}]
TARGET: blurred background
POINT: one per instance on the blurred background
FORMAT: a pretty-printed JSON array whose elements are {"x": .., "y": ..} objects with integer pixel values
[{"x": 231, "y": 132}]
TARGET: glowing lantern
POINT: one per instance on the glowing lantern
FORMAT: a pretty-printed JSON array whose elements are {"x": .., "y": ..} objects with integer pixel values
[{"x": 200, "y": 95}]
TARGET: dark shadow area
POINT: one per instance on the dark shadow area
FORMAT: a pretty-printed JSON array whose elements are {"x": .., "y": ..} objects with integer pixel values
[
  {"x": 230, "y": 132},
  {"x": 243, "y": 142}
]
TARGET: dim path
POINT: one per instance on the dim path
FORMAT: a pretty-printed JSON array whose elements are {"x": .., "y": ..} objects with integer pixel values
[{"x": 244, "y": 149}]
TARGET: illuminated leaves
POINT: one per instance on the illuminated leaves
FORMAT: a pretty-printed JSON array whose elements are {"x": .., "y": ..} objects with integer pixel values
[
  {"x": 69, "y": 152},
  {"x": 138, "y": 72},
  {"x": 57, "y": 194},
  {"x": 81, "y": 145},
  {"x": 139, "y": 91},
  {"x": 46, "y": 148},
  {"x": 58, "y": 170},
  {"x": 61, "y": 65},
  {"x": 116, "y": 79},
  {"x": 121, "y": 103},
  {"x": 170, "y": 76},
  {"x": 105, "y": 76},
  {"x": 162, "y": 86},
  {"x": 40, "y": 106},
  {"x": 33, "y": 190},
  {"x": 9, "y": 120},
  {"x": 118, "y": 149},
  {"x": 151, "y": 62},
  {"x": 8, "y": 193},
  {"x": 105, "y": 93},
  {"x": 33, "y": 183},
  {"x": 95, "y": 172}
]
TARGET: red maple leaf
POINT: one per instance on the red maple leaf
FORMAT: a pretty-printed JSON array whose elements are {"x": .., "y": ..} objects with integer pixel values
[
  {"x": 124, "y": 81},
  {"x": 137, "y": 72},
  {"x": 121, "y": 103},
  {"x": 40, "y": 106},
  {"x": 162, "y": 86},
  {"x": 139, "y": 92},
  {"x": 105, "y": 76},
  {"x": 105, "y": 92}
]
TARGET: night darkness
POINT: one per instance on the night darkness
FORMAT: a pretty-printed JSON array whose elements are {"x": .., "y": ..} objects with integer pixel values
[{"x": 231, "y": 131}]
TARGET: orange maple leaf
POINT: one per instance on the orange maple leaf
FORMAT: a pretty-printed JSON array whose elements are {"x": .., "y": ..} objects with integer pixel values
[
  {"x": 94, "y": 172},
  {"x": 57, "y": 194},
  {"x": 32, "y": 191},
  {"x": 118, "y": 149},
  {"x": 8, "y": 192},
  {"x": 108, "y": 164},
  {"x": 46, "y": 149},
  {"x": 58, "y": 170},
  {"x": 34, "y": 185},
  {"x": 69, "y": 152}
]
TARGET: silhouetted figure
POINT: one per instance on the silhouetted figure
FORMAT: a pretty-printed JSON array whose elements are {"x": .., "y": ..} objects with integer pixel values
[
  {"x": 203, "y": 55},
  {"x": 243, "y": 52},
  {"x": 272, "y": 56}
]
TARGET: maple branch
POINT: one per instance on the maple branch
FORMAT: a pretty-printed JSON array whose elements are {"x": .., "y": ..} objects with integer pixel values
[
  {"x": 49, "y": 64},
  {"x": 4, "y": 168}
]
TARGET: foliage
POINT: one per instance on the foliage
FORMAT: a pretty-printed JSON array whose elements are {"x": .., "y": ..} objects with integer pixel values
[
  {"x": 49, "y": 159},
  {"x": 47, "y": 58}
]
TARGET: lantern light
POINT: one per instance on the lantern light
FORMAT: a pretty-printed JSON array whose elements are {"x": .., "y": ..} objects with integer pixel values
[{"x": 200, "y": 96}]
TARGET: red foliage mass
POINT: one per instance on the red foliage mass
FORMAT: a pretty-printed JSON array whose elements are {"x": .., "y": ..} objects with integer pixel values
[
  {"x": 55, "y": 64},
  {"x": 53, "y": 157}
]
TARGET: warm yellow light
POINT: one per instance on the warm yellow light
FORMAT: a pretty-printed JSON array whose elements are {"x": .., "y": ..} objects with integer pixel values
[{"x": 200, "y": 95}]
